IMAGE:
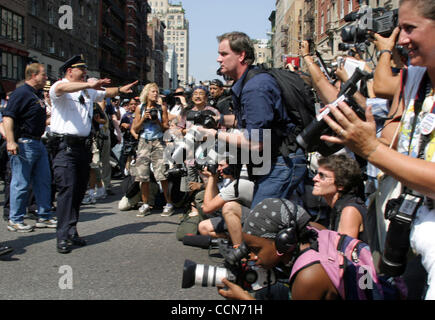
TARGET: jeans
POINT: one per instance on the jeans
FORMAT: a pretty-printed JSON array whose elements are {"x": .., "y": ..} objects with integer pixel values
[
  {"x": 284, "y": 176},
  {"x": 30, "y": 165}
]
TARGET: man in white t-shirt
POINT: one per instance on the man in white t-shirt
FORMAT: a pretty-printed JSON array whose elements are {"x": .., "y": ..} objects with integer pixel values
[
  {"x": 72, "y": 101},
  {"x": 234, "y": 199}
]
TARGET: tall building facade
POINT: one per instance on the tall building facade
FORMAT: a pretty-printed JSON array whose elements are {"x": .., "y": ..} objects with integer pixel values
[
  {"x": 263, "y": 53},
  {"x": 13, "y": 43},
  {"x": 321, "y": 21},
  {"x": 176, "y": 33},
  {"x": 51, "y": 43}
]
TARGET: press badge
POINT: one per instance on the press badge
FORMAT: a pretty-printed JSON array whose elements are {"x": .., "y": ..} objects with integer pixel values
[
  {"x": 410, "y": 204},
  {"x": 428, "y": 124}
]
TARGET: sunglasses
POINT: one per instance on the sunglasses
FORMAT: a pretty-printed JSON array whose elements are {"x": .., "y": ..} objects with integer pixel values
[{"x": 322, "y": 176}]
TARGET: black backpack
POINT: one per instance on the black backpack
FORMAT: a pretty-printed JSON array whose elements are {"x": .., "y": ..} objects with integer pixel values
[{"x": 298, "y": 99}]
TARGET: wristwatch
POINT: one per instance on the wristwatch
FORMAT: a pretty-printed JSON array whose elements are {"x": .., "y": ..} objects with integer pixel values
[{"x": 378, "y": 55}]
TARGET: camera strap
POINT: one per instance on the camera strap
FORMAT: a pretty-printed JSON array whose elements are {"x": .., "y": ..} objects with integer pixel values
[{"x": 423, "y": 92}]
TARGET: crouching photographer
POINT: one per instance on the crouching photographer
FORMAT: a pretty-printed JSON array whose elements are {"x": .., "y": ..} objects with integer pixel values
[
  {"x": 233, "y": 199},
  {"x": 413, "y": 162},
  {"x": 325, "y": 265}
]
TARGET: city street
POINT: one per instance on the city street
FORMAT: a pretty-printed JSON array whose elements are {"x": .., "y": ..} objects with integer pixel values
[{"x": 127, "y": 257}]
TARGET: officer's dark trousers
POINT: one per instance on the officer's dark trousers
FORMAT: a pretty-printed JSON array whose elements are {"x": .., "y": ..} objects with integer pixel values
[{"x": 71, "y": 174}]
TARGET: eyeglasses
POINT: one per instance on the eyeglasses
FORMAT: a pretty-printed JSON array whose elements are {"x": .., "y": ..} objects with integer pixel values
[
  {"x": 322, "y": 176},
  {"x": 199, "y": 94}
]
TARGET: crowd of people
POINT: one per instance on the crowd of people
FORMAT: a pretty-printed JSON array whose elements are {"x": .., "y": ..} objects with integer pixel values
[{"x": 280, "y": 213}]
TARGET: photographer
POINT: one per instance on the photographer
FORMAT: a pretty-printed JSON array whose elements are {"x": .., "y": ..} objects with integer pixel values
[
  {"x": 199, "y": 100},
  {"x": 385, "y": 81},
  {"x": 218, "y": 98},
  {"x": 258, "y": 109},
  {"x": 150, "y": 122},
  {"x": 413, "y": 162},
  {"x": 179, "y": 104},
  {"x": 129, "y": 140},
  {"x": 339, "y": 182},
  {"x": 311, "y": 283},
  {"x": 234, "y": 206},
  {"x": 326, "y": 91}
]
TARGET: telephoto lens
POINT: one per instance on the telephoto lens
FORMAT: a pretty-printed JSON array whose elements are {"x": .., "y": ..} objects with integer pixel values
[
  {"x": 204, "y": 275},
  {"x": 394, "y": 257}
]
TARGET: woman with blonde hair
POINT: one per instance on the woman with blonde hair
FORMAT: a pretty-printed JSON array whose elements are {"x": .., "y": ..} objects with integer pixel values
[{"x": 150, "y": 122}]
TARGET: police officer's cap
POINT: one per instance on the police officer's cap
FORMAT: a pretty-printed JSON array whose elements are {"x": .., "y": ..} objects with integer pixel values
[
  {"x": 216, "y": 82},
  {"x": 74, "y": 62}
]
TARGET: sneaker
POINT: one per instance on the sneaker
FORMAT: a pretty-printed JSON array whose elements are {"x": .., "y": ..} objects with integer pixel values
[
  {"x": 89, "y": 199},
  {"x": 144, "y": 210},
  {"x": 168, "y": 210},
  {"x": 100, "y": 193},
  {"x": 46, "y": 223},
  {"x": 19, "y": 227}
]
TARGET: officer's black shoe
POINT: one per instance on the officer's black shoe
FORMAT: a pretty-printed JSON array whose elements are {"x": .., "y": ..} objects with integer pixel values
[
  {"x": 5, "y": 250},
  {"x": 76, "y": 241},
  {"x": 63, "y": 246}
]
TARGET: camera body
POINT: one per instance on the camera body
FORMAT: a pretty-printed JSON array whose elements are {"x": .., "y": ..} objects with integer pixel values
[
  {"x": 401, "y": 212},
  {"x": 154, "y": 114},
  {"x": 203, "y": 118},
  {"x": 211, "y": 167},
  {"x": 244, "y": 273},
  {"x": 176, "y": 172},
  {"x": 378, "y": 20}
]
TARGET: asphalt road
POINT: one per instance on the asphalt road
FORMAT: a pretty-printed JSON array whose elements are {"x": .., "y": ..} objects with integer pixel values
[{"x": 127, "y": 258}]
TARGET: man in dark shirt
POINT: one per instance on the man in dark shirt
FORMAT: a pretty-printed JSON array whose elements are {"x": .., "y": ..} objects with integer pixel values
[
  {"x": 24, "y": 121},
  {"x": 219, "y": 99},
  {"x": 259, "y": 111}
]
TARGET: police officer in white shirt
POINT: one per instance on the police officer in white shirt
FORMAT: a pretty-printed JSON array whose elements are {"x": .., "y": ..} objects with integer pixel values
[{"x": 72, "y": 110}]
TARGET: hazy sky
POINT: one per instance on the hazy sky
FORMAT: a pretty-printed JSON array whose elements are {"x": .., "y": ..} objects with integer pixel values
[{"x": 211, "y": 18}]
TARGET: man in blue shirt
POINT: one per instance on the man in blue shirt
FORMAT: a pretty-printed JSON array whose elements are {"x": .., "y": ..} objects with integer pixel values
[
  {"x": 24, "y": 122},
  {"x": 258, "y": 110}
]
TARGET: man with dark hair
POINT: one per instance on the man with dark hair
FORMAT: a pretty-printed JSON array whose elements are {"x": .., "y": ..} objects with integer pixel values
[
  {"x": 24, "y": 122},
  {"x": 219, "y": 99},
  {"x": 258, "y": 110},
  {"x": 234, "y": 207}
]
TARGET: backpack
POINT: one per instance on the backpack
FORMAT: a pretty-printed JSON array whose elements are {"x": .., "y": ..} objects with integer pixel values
[
  {"x": 349, "y": 265},
  {"x": 299, "y": 102},
  {"x": 297, "y": 98}
]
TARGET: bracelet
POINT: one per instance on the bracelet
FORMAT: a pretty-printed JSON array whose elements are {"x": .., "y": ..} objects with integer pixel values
[
  {"x": 383, "y": 51},
  {"x": 119, "y": 91}
]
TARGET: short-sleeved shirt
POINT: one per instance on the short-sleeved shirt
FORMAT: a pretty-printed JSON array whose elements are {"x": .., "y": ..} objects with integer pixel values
[
  {"x": 69, "y": 115},
  {"x": 26, "y": 106},
  {"x": 246, "y": 192}
]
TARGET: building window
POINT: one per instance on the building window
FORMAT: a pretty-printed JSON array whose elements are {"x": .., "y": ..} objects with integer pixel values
[
  {"x": 34, "y": 35},
  {"x": 12, "y": 66},
  {"x": 342, "y": 9},
  {"x": 350, "y": 5},
  {"x": 34, "y": 7},
  {"x": 11, "y": 26}
]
